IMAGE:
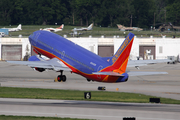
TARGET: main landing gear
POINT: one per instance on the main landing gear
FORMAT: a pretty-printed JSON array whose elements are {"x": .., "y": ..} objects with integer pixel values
[
  {"x": 61, "y": 77},
  {"x": 90, "y": 80}
]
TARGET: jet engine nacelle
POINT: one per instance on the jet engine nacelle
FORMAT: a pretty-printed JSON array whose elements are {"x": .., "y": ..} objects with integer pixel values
[
  {"x": 123, "y": 78},
  {"x": 39, "y": 69}
]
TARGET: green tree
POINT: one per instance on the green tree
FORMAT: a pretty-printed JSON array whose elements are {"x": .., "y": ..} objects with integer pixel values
[
  {"x": 140, "y": 13},
  {"x": 6, "y": 9},
  {"x": 60, "y": 11},
  {"x": 17, "y": 15},
  {"x": 124, "y": 9},
  {"x": 144, "y": 13},
  {"x": 97, "y": 12},
  {"x": 81, "y": 7},
  {"x": 39, "y": 11},
  {"x": 173, "y": 11},
  {"x": 160, "y": 12}
]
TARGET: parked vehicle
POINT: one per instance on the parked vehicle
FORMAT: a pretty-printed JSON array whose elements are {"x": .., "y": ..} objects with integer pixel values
[{"x": 2, "y": 34}]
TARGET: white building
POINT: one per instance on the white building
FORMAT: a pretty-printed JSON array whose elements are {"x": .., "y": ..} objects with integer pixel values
[{"x": 146, "y": 48}]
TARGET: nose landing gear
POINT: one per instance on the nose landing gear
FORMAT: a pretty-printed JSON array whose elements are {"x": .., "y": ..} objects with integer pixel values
[{"x": 61, "y": 77}]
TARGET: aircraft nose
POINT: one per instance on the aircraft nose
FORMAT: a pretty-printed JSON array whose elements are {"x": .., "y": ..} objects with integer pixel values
[{"x": 34, "y": 37}]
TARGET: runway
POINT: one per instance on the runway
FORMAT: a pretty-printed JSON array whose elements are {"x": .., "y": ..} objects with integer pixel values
[
  {"x": 88, "y": 109},
  {"x": 158, "y": 85}
]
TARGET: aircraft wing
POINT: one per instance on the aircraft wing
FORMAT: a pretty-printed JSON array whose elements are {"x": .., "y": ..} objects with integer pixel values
[
  {"x": 134, "y": 63},
  {"x": 53, "y": 64}
]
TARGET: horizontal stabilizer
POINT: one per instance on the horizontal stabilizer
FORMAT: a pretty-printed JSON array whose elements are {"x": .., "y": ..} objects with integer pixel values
[
  {"x": 108, "y": 73},
  {"x": 133, "y": 63},
  {"x": 139, "y": 73}
]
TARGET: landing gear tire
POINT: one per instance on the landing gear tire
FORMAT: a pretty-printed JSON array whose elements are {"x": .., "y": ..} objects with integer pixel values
[
  {"x": 61, "y": 77},
  {"x": 64, "y": 78}
]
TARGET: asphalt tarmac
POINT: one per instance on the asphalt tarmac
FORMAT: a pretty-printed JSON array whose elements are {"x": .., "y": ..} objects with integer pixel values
[
  {"x": 166, "y": 85},
  {"x": 156, "y": 85},
  {"x": 88, "y": 109}
]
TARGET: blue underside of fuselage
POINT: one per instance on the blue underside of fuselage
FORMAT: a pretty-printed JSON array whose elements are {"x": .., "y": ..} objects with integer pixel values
[{"x": 69, "y": 52}]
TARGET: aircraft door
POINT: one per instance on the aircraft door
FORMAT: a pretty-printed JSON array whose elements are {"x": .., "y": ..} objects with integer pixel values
[
  {"x": 99, "y": 68},
  {"x": 62, "y": 54}
]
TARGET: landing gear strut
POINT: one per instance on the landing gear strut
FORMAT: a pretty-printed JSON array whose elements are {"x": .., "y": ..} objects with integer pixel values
[
  {"x": 90, "y": 80},
  {"x": 61, "y": 77}
]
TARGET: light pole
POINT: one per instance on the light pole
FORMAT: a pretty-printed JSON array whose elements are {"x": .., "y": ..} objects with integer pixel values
[{"x": 131, "y": 21}]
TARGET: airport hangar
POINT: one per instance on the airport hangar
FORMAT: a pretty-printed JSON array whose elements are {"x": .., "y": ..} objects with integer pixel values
[{"x": 146, "y": 48}]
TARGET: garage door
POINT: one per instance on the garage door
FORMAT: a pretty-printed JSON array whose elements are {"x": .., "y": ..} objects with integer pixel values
[
  {"x": 147, "y": 52},
  {"x": 11, "y": 52},
  {"x": 105, "y": 51}
]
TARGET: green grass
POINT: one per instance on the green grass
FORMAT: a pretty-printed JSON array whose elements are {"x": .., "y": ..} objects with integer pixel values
[
  {"x": 10, "y": 117},
  {"x": 96, "y": 32},
  {"x": 36, "y": 93}
]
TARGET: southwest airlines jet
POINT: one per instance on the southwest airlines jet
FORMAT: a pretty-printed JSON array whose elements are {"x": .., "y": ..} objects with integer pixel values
[{"x": 65, "y": 55}]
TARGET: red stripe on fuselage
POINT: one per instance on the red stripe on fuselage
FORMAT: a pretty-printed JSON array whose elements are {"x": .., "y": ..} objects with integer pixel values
[
  {"x": 123, "y": 57},
  {"x": 120, "y": 63},
  {"x": 94, "y": 77},
  {"x": 120, "y": 60}
]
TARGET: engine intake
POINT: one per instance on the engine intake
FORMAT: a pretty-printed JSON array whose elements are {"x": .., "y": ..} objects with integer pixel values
[{"x": 40, "y": 69}]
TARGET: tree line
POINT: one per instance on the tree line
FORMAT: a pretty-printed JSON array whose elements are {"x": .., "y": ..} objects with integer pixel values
[{"x": 140, "y": 13}]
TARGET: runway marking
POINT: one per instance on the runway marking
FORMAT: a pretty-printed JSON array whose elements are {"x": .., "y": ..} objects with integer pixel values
[
  {"x": 171, "y": 93},
  {"x": 57, "y": 114},
  {"x": 71, "y": 115}
]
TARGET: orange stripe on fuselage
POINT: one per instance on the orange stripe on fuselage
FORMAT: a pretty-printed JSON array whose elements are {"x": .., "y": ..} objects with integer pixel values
[
  {"x": 121, "y": 61},
  {"x": 124, "y": 65},
  {"x": 110, "y": 79},
  {"x": 120, "y": 64},
  {"x": 74, "y": 70}
]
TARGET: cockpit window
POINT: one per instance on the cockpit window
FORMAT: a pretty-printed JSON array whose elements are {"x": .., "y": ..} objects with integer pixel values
[
  {"x": 36, "y": 36},
  {"x": 32, "y": 35}
]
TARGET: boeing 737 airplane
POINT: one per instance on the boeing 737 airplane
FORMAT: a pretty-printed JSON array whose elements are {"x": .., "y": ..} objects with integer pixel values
[
  {"x": 54, "y": 29},
  {"x": 14, "y": 29},
  {"x": 65, "y": 55}
]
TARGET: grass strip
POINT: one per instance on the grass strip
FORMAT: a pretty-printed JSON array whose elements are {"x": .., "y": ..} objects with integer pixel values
[
  {"x": 37, "y": 93},
  {"x": 96, "y": 32},
  {"x": 10, "y": 117}
]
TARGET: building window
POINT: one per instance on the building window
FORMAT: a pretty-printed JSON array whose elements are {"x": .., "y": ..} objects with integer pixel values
[{"x": 160, "y": 49}]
